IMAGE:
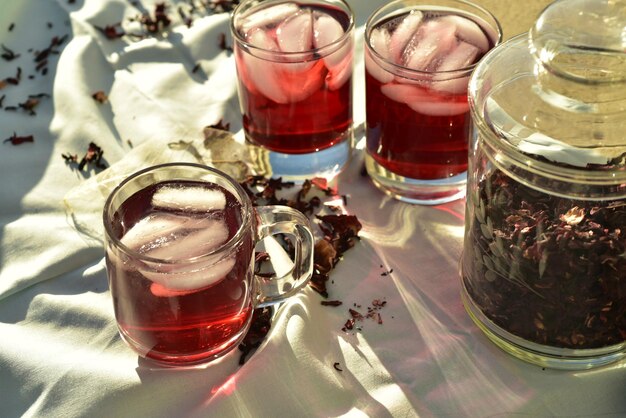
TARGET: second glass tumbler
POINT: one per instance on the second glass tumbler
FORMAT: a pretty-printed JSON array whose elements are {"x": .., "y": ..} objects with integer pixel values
[{"x": 419, "y": 55}]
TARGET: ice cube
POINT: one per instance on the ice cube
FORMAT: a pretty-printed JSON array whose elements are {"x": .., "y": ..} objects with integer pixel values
[
  {"x": 380, "y": 40},
  {"x": 454, "y": 85},
  {"x": 423, "y": 101},
  {"x": 282, "y": 82},
  {"x": 297, "y": 86},
  {"x": 376, "y": 70},
  {"x": 161, "y": 291},
  {"x": 338, "y": 56},
  {"x": 403, "y": 33},
  {"x": 296, "y": 33},
  {"x": 326, "y": 30},
  {"x": 188, "y": 243},
  {"x": 339, "y": 74},
  {"x": 468, "y": 31},
  {"x": 177, "y": 272},
  {"x": 436, "y": 108},
  {"x": 432, "y": 41},
  {"x": 298, "y": 67},
  {"x": 261, "y": 39},
  {"x": 181, "y": 280},
  {"x": 462, "y": 56},
  {"x": 188, "y": 198},
  {"x": 158, "y": 228},
  {"x": 403, "y": 93},
  {"x": 267, "y": 17},
  {"x": 338, "y": 62},
  {"x": 264, "y": 75}
]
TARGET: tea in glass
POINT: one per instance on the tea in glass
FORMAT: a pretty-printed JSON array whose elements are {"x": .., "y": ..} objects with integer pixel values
[
  {"x": 294, "y": 64},
  {"x": 418, "y": 58},
  {"x": 180, "y": 242}
]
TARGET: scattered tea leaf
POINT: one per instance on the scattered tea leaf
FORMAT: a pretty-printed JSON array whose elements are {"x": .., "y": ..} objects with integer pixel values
[
  {"x": 18, "y": 140},
  {"x": 29, "y": 105},
  {"x": 100, "y": 96},
  {"x": 8, "y": 54},
  {"x": 92, "y": 158},
  {"x": 113, "y": 31},
  {"x": 340, "y": 231},
  {"x": 70, "y": 158},
  {"x": 261, "y": 324},
  {"x": 221, "y": 43},
  {"x": 221, "y": 125}
]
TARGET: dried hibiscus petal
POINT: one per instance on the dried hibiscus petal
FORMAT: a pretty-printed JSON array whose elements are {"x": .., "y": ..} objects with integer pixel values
[
  {"x": 100, "y": 96},
  {"x": 8, "y": 54},
  {"x": 546, "y": 268},
  {"x": 325, "y": 256},
  {"x": 113, "y": 31},
  {"x": 29, "y": 105},
  {"x": 261, "y": 324},
  {"x": 18, "y": 140}
]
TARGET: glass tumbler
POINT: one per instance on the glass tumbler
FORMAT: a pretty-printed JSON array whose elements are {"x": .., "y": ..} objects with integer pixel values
[
  {"x": 294, "y": 65},
  {"x": 419, "y": 55}
]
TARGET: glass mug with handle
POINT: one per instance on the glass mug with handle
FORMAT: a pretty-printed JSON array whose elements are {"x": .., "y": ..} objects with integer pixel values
[{"x": 180, "y": 242}]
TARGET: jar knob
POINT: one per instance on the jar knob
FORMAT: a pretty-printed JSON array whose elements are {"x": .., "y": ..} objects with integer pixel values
[{"x": 582, "y": 40}]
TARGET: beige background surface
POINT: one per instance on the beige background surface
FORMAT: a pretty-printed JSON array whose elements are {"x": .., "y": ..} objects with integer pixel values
[{"x": 515, "y": 16}]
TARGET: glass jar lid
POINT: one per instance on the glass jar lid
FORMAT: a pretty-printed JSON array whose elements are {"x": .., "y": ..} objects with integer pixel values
[{"x": 554, "y": 100}]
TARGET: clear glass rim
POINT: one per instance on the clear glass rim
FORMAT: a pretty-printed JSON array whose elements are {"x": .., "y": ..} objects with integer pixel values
[
  {"x": 592, "y": 177},
  {"x": 323, "y": 51},
  {"x": 426, "y": 5},
  {"x": 226, "y": 248}
]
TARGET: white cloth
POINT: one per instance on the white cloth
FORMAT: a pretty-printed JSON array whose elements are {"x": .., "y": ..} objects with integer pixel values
[{"x": 60, "y": 353}]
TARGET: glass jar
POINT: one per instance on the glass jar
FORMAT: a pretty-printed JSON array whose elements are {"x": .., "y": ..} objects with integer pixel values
[{"x": 544, "y": 262}]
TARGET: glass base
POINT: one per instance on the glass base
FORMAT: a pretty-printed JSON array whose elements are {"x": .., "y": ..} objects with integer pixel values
[
  {"x": 422, "y": 192},
  {"x": 327, "y": 163},
  {"x": 542, "y": 355}
]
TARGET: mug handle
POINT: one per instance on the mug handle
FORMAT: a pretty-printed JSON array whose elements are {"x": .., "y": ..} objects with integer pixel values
[{"x": 275, "y": 220}]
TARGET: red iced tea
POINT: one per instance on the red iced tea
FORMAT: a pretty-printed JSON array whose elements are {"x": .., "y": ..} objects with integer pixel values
[
  {"x": 294, "y": 64},
  {"x": 181, "y": 311},
  {"x": 417, "y": 111}
]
